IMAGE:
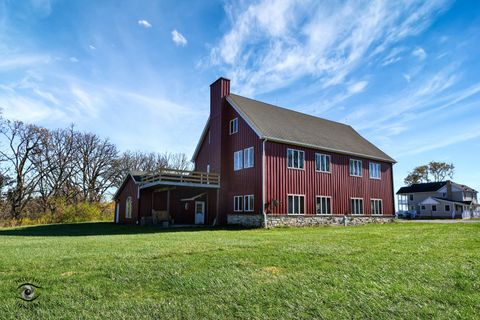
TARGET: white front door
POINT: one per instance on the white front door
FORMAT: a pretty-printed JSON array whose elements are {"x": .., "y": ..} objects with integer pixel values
[{"x": 199, "y": 212}]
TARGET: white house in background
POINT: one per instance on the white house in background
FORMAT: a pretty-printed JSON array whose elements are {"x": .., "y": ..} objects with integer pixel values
[{"x": 445, "y": 199}]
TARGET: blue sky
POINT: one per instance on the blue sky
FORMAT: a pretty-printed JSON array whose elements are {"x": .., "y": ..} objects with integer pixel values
[{"x": 405, "y": 74}]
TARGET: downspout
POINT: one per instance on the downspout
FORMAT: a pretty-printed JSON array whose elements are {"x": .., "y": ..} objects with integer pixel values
[{"x": 263, "y": 185}]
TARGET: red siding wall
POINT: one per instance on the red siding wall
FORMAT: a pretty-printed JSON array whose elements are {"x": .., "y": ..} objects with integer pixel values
[
  {"x": 245, "y": 181},
  {"x": 129, "y": 190},
  {"x": 281, "y": 181}
]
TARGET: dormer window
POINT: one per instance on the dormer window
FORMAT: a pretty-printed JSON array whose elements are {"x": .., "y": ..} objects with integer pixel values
[{"x": 233, "y": 126}]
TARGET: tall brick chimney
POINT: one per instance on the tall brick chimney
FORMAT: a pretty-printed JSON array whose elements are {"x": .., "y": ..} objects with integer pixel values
[
  {"x": 218, "y": 91},
  {"x": 449, "y": 190}
]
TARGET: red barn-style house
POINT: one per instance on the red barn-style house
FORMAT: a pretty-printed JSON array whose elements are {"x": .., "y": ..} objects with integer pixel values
[{"x": 261, "y": 165}]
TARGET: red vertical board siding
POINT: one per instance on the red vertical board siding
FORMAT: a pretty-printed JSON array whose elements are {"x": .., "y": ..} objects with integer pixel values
[
  {"x": 281, "y": 181},
  {"x": 245, "y": 181},
  {"x": 129, "y": 189}
]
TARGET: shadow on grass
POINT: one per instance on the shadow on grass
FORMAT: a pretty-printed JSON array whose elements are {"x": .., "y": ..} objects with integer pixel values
[{"x": 98, "y": 229}]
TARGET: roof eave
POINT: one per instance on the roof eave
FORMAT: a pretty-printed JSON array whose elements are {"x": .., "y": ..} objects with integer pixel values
[
  {"x": 202, "y": 137},
  {"x": 307, "y": 145}
]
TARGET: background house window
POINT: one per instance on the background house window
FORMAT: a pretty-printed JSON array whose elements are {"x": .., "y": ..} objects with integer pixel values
[
  {"x": 375, "y": 170},
  {"x": 296, "y": 204},
  {"x": 128, "y": 208},
  {"x": 423, "y": 207},
  {"x": 248, "y": 157},
  {"x": 355, "y": 168},
  {"x": 322, "y": 162},
  {"x": 248, "y": 202},
  {"x": 434, "y": 208},
  {"x": 234, "y": 126},
  {"x": 323, "y": 205},
  {"x": 295, "y": 159},
  {"x": 356, "y": 205},
  {"x": 447, "y": 208},
  {"x": 237, "y": 203},
  {"x": 237, "y": 160},
  {"x": 411, "y": 197},
  {"x": 377, "y": 207}
]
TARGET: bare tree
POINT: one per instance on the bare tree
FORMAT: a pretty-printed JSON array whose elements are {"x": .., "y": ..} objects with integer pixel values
[
  {"x": 95, "y": 159},
  {"x": 24, "y": 144},
  {"x": 56, "y": 164}
]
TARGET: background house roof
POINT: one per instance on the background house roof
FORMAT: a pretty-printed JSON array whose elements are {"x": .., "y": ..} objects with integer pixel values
[
  {"x": 422, "y": 187},
  {"x": 288, "y": 126},
  {"x": 432, "y": 186}
]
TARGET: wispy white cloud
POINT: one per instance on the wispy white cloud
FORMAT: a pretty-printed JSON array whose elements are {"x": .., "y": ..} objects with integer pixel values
[
  {"x": 19, "y": 61},
  {"x": 178, "y": 38},
  {"x": 92, "y": 47},
  {"x": 144, "y": 23},
  {"x": 273, "y": 43},
  {"x": 73, "y": 59},
  {"x": 419, "y": 53},
  {"x": 357, "y": 87}
]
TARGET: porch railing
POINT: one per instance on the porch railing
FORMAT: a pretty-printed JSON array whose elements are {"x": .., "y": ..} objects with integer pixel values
[{"x": 182, "y": 176}]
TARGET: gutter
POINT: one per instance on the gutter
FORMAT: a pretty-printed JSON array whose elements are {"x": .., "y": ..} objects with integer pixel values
[{"x": 263, "y": 184}]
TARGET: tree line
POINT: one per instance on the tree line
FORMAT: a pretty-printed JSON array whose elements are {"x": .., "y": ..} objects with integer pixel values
[
  {"x": 40, "y": 167},
  {"x": 434, "y": 171}
]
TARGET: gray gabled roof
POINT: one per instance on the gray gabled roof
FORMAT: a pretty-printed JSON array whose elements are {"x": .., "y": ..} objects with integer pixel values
[
  {"x": 422, "y": 187},
  {"x": 291, "y": 127}
]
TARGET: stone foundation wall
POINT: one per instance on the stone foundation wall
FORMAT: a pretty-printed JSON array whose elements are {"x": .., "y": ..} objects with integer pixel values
[
  {"x": 249, "y": 220},
  {"x": 246, "y": 220}
]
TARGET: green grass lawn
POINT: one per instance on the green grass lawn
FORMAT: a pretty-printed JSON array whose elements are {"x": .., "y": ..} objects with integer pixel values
[{"x": 104, "y": 271}]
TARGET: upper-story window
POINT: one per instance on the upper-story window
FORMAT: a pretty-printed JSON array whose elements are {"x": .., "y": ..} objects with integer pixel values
[
  {"x": 411, "y": 197},
  {"x": 234, "y": 126},
  {"x": 375, "y": 170},
  {"x": 322, "y": 162},
  {"x": 248, "y": 158},
  {"x": 295, "y": 159},
  {"x": 237, "y": 160},
  {"x": 355, "y": 168}
]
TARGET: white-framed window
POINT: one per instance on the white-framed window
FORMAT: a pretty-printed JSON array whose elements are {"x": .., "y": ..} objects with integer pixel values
[
  {"x": 128, "y": 208},
  {"x": 376, "y": 206},
  {"x": 323, "y": 205},
  {"x": 295, "y": 159},
  {"x": 375, "y": 170},
  {"x": 411, "y": 197},
  {"x": 238, "y": 203},
  {"x": 434, "y": 208},
  {"x": 355, "y": 168},
  {"x": 237, "y": 160},
  {"x": 248, "y": 157},
  {"x": 296, "y": 204},
  {"x": 356, "y": 205},
  {"x": 322, "y": 162},
  {"x": 234, "y": 126},
  {"x": 447, "y": 208},
  {"x": 248, "y": 202}
]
